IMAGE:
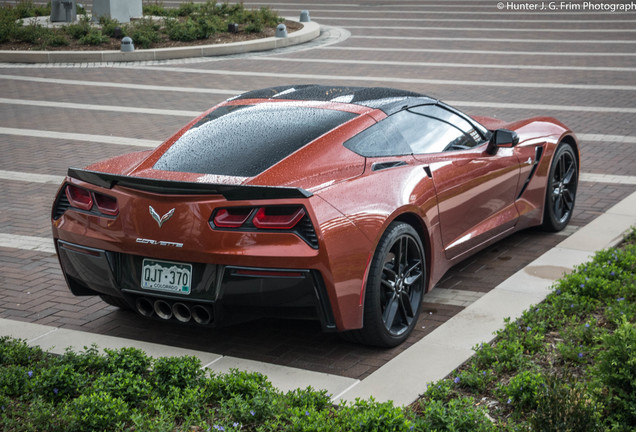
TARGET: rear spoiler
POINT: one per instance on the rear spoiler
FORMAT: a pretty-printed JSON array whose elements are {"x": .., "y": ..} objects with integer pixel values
[{"x": 230, "y": 192}]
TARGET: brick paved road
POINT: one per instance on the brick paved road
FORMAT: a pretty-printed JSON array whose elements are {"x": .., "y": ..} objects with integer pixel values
[{"x": 576, "y": 66}]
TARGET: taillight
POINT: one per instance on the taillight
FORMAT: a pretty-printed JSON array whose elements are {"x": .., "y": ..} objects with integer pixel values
[
  {"x": 288, "y": 218},
  {"x": 80, "y": 198},
  {"x": 232, "y": 217},
  {"x": 107, "y": 205},
  {"x": 83, "y": 199},
  {"x": 278, "y": 217},
  {"x": 262, "y": 218}
]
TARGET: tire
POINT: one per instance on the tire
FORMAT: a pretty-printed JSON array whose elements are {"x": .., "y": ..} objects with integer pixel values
[
  {"x": 115, "y": 301},
  {"x": 395, "y": 286},
  {"x": 561, "y": 189}
]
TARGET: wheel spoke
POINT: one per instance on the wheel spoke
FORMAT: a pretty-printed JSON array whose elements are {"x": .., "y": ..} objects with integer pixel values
[
  {"x": 558, "y": 207},
  {"x": 390, "y": 312},
  {"x": 561, "y": 168},
  {"x": 569, "y": 175},
  {"x": 389, "y": 284},
  {"x": 410, "y": 278},
  {"x": 391, "y": 273},
  {"x": 405, "y": 308},
  {"x": 568, "y": 200},
  {"x": 404, "y": 254}
]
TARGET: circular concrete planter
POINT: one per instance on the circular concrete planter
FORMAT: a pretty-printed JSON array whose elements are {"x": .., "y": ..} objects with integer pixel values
[{"x": 310, "y": 31}]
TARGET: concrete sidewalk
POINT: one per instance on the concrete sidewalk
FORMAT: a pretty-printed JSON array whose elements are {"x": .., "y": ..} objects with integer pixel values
[{"x": 405, "y": 377}]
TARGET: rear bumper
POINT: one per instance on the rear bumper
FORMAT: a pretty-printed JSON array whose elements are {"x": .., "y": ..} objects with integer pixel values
[{"x": 226, "y": 293}]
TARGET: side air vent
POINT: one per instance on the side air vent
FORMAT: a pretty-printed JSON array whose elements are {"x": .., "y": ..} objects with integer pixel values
[
  {"x": 378, "y": 166},
  {"x": 307, "y": 232},
  {"x": 61, "y": 205}
]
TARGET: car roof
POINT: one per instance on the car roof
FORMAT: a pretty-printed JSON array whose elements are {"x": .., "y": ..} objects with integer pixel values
[{"x": 389, "y": 100}]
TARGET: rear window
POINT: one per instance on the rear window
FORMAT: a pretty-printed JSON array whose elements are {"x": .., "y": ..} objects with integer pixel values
[{"x": 245, "y": 141}]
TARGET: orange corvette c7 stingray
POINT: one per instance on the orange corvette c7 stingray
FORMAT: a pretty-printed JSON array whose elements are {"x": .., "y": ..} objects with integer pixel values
[{"x": 342, "y": 204}]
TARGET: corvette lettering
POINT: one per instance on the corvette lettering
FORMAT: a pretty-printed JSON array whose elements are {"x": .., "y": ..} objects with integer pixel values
[{"x": 159, "y": 242}]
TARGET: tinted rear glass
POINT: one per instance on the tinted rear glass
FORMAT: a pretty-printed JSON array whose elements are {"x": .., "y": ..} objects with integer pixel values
[{"x": 245, "y": 142}]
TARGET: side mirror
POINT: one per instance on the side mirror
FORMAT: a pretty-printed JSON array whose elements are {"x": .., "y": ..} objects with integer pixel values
[{"x": 502, "y": 138}]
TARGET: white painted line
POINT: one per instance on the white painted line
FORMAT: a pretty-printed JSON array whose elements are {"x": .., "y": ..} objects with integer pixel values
[
  {"x": 488, "y": 52},
  {"x": 38, "y": 244},
  {"x": 607, "y": 138},
  {"x": 120, "y": 85},
  {"x": 495, "y": 29},
  {"x": 70, "y": 136},
  {"x": 91, "y": 107},
  {"x": 470, "y": 20},
  {"x": 573, "y": 108},
  {"x": 447, "y": 65},
  {"x": 30, "y": 177},
  {"x": 470, "y": 12},
  {"x": 468, "y": 39},
  {"x": 323, "y": 77},
  {"x": 608, "y": 178},
  {"x": 192, "y": 114},
  {"x": 391, "y": 79}
]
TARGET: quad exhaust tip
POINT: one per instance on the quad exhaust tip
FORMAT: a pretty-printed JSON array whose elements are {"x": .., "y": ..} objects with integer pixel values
[
  {"x": 182, "y": 312},
  {"x": 144, "y": 307},
  {"x": 163, "y": 309}
]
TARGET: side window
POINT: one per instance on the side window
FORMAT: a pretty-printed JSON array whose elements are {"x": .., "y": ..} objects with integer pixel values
[
  {"x": 381, "y": 139},
  {"x": 474, "y": 137},
  {"x": 416, "y": 130}
]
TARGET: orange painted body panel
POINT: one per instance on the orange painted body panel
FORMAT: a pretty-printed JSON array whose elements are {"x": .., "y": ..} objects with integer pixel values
[{"x": 459, "y": 201}]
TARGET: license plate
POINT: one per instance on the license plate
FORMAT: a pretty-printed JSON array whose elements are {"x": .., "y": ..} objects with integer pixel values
[{"x": 166, "y": 276}]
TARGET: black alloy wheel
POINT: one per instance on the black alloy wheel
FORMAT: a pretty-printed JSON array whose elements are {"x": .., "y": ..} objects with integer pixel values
[
  {"x": 561, "y": 189},
  {"x": 395, "y": 286}
]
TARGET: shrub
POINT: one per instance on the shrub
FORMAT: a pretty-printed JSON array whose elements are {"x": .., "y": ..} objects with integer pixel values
[
  {"x": 17, "y": 352},
  {"x": 127, "y": 385},
  {"x": 185, "y": 31},
  {"x": 474, "y": 378},
  {"x": 178, "y": 372},
  {"x": 98, "y": 411},
  {"x": 563, "y": 406},
  {"x": 57, "y": 382},
  {"x": 130, "y": 359},
  {"x": 55, "y": 38},
  {"x": 26, "y": 8},
  {"x": 80, "y": 29},
  {"x": 522, "y": 390},
  {"x": 14, "y": 379},
  {"x": 87, "y": 361},
  {"x": 616, "y": 371},
  {"x": 369, "y": 415},
  {"x": 94, "y": 37},
  {"x": 308, "y": 398},
  {"x": 109, "y": 25},
  {"x": 458, "y": 414},
  {"x": 143, "y": 32}
]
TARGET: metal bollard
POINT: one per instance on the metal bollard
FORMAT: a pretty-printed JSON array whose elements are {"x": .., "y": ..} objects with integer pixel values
[
  {"x": 304, "y": 16},
  {"x": 281, "y": 31},
  {"x": 127, "y": 45}
]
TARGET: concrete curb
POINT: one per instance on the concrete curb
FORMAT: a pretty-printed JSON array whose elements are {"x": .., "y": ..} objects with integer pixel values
[{"x": 310, "y": 31}]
